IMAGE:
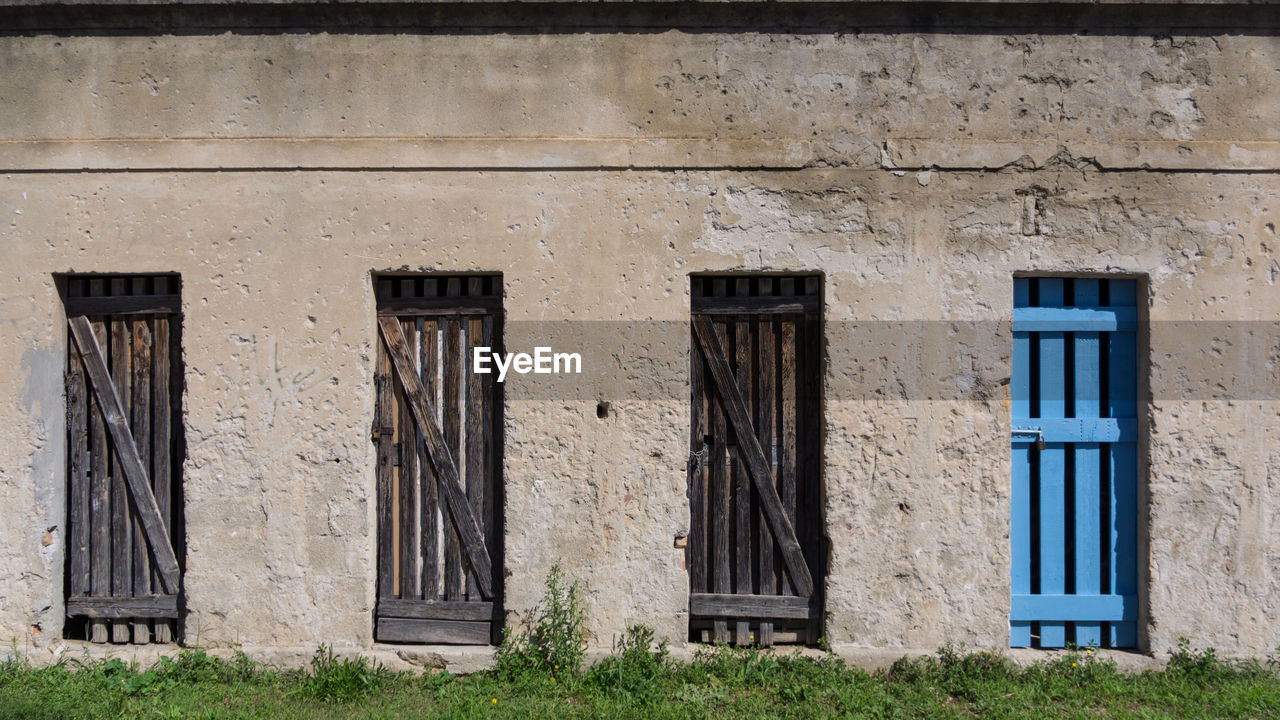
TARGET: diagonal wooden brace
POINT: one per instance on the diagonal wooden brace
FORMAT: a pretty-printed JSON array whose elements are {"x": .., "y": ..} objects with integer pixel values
[
  {"x": 441, "y": 459},
  {"x": 750, "y": 451},
  {"x": 136, "y": 477}
]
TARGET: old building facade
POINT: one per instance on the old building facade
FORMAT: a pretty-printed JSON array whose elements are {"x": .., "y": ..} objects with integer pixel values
[{"x": 914, "y": 323}]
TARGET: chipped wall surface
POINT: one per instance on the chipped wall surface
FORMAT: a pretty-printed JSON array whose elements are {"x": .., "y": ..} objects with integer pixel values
[{"x": 919, "y": 171}]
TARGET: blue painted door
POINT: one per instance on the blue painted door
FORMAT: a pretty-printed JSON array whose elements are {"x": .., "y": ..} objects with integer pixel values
[{"x": 1075, "y": 463}]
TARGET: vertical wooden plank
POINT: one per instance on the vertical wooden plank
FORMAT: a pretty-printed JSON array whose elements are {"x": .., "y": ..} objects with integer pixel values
[
  {"x": 474, "y": 433},
  {"x": 787, "y": 432},
  {"x": 1053, "y": 389},
  {"x": 451, "y": 409},
  {"x": 767, "y": 410},
  {"x": 410, "y": 535},
  {"x": 1020, "y": 520},
  {"x": 78, "y": 502},
  {"x": 720, "y": 487},
  {"x": 1088, "y": 512},
  {"x": 121, "y": 514},
  {"x": 430, "y": 511},
  {"x": 744, "y": 509},
  {"x": 162, "y": 400},
  {"x": 1122, "y": 401},
  {"x": 697, "y": 471},
  {"x": 140, "y": 424},
  {"x": 401, "y": 427},
  {"x": 100, "y": 489},
  {"x": 809, "y": 530},
  {"x": 385, "y": 432},
  {"x": 491, "y": 461}
]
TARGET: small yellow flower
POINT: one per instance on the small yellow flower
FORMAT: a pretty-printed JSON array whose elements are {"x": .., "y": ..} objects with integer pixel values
[
  {"x": 495, "y": 701},
  {"x": 557, "y": 667},
  {"x": 1088, "y": 652},
  {"x": 553, "y": 679},
  {"x": 1073, "y": 664}
]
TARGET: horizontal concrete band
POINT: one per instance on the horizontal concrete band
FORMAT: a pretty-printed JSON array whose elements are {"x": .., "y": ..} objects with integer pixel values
[{"x": 540, "y": 153}]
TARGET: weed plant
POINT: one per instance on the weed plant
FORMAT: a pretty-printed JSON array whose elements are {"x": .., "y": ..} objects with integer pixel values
[
  {"x": 342, "y": 680},
  {"x": 553, "y": 641}
]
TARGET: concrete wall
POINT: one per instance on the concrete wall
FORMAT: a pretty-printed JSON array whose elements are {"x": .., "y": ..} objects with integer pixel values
[{"x": 596, "y": 168}]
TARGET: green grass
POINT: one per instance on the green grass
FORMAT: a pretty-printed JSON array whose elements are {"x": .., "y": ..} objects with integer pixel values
[{"x": 640, "y": 681}]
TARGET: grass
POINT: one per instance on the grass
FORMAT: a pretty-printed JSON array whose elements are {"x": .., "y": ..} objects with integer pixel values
[{"x": 640, "y": 681}]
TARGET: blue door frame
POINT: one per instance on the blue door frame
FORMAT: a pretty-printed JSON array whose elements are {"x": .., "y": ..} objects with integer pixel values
[{"x": 1075, "y": 463}]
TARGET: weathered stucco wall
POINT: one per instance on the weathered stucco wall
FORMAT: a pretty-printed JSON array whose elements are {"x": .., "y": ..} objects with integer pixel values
[{"x": 596, "y": 170}]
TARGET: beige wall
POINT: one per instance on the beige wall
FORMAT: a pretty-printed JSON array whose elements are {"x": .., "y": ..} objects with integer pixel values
[{"x": 596, "y": 170}]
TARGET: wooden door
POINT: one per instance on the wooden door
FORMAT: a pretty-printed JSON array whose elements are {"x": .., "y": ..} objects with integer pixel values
[
  {"x": 438, "y": 431},
  {"x": 124, "y": 387},
  {"x": 1074, "y": 524},
  {"x": 756, "y": 553}
]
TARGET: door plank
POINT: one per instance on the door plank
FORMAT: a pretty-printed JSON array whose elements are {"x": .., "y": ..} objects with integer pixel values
[
  {"x": 118, "y": 352},
  {"x": 475, "y": 472},
  {"x": 384, "y": 431},
  {"x": 123, "y": 608},
  {"x": 447, "y": 610},
  {"x": 451, "y": 427},
  {"x": 696, "y": 472},
  {"x": 787, "y": 428},
  {"x": 410, "y": 580},
  {"x": 1020, "y": 509},
  {"x": 780, "y": 607},
  {"x": 1122, "y": 401},
  {"x": 140, "y": 424},
  {"x": 491, "y": 416},
  {"x": 430, "y": 510},
  {"x": 78, "y": 544},
  {"x": 768, "y": 583},
  {"x": 1087, "y": 532},
  {"x": 100, "y": 486},
  {"x": 452, "y": 632},
  {"x": 749, "y": 448},
  {"x": 424, "y": 411},
  {"x": 810, "y": 439},
  {"x": 162, "y": 445},
  {"x": 1053, "y": 467},
  {"x": 721, "y": 484}
]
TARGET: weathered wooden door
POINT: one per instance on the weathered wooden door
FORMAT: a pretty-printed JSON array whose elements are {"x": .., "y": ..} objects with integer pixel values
[
  {"x": 438, "y": 431},
  {"x": 124, "y": 423},
  {"x": 756, "y": 553}
]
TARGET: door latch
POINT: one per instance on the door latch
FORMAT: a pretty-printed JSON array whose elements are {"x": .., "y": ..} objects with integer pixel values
[
  {"x": 1037, "y": 432},
  {"x": 698, "y": 458}
]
